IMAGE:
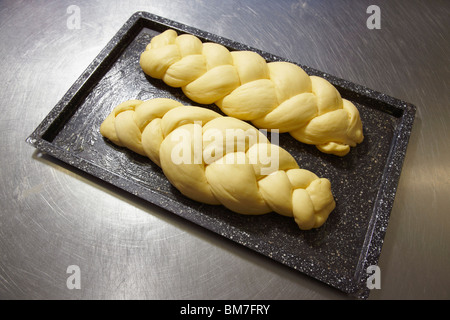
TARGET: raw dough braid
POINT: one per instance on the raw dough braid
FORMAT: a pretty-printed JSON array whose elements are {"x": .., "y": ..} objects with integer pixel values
[
  {"x": 230, "y": 168},
  {"x": 275, "y": 95}
]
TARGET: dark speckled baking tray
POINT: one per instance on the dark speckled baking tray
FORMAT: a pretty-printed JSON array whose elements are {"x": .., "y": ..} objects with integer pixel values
[{"x": 364, "y": 182}]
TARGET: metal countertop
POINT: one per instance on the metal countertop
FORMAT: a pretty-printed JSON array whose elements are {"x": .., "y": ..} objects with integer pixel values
[{"x": 53, "y": 216}]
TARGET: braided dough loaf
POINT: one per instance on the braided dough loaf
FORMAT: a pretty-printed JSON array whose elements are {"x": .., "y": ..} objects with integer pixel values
[
  {"x": 153, "y": 128},
  {"x": 275, "y": 95}
]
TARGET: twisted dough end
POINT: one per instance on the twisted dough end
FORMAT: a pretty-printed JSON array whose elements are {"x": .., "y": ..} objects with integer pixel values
[
  {"x": 276, "y": 95},
  {"x": 247, "y": 174}
]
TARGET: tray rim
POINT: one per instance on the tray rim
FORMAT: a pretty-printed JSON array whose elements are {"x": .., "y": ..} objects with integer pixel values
[{"x": 371, "y": 249}]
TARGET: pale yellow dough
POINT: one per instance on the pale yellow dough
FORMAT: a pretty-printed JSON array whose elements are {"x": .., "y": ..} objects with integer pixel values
[
  {"x": 149, "y": 128},
  {"x": 275, "y": 95}
]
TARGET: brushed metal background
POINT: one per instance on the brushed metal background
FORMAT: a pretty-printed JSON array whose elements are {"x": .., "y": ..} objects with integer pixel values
[{"x": 53, "y": 216}]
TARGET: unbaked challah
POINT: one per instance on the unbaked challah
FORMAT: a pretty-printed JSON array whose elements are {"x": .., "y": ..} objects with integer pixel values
[
  {"x": 275, "y": 95},
  {"x": 220, "y": 160}
]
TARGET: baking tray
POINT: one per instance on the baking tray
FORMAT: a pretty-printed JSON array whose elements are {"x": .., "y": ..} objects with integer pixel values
[{"x": 364, "y": 182}]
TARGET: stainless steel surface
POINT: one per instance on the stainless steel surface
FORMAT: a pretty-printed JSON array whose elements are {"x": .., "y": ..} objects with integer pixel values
[{"x": 53, "y": 216}]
